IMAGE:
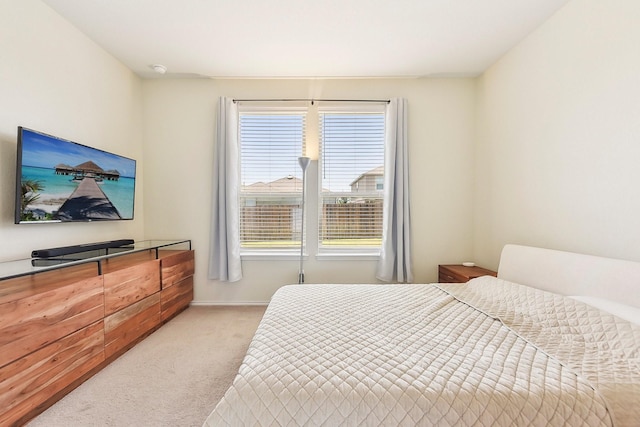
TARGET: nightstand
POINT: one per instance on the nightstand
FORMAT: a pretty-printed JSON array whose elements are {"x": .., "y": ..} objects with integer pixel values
[{"x": 457, "y": 273}]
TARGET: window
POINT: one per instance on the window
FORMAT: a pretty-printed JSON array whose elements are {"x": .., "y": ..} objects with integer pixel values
[
  {"x": 379, "y": 183},
  {"x": 270, "y": 178},
  {"x": 351, "y": 169},
  {"x": 350, "y": 177}
]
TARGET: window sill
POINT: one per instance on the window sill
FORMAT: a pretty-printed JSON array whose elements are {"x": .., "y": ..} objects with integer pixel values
[
  {"x": 271, "y": 255},
  {"x": 348, "y": 256},
  {"x": 294, "y": 256}
]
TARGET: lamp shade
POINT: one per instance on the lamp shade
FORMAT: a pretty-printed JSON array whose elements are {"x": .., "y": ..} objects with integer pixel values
[{"x": 304, "y": 162}]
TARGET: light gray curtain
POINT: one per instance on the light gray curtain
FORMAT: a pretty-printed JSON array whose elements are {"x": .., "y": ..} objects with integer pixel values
[
  {"x": 224, "y": 252},
  {"x": 395, "y": 254}
]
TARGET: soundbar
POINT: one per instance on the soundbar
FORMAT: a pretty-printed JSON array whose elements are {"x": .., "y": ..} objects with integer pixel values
[{"x": 66, "y": 250}]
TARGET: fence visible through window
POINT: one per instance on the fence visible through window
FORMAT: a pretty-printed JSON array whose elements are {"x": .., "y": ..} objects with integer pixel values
[
  {"x": 344, "y": 223},
  {"x": 351, "y": 223},
  {"x": 270, "y": 225}
]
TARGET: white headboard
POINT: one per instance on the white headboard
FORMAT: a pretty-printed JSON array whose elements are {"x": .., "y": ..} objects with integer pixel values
[{"x": 569, "y": 273}]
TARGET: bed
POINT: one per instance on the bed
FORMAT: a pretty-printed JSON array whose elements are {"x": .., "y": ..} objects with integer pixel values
[{"x": 520, "y": 349}]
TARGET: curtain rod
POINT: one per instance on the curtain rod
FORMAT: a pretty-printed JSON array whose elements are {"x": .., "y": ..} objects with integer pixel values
[{"x": 312, "y": 100}]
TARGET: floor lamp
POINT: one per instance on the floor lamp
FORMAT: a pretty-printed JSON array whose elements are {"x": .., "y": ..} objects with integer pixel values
[{"x": 304, "y": 162}]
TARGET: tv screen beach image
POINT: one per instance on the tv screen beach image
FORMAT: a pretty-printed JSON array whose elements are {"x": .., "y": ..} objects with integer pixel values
[{"x": 65, "y": 181}]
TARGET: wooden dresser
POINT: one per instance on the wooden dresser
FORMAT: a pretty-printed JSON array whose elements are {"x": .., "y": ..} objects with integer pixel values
[
  {"x": 59, "y": 327},
  {"x": 458, "y": 273}
]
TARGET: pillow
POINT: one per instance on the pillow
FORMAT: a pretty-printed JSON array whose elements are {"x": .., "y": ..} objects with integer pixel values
[{"x": 627, "y": 312}]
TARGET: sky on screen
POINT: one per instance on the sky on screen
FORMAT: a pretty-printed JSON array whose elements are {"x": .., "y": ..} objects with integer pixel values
[{"x": 44, "y": 151}]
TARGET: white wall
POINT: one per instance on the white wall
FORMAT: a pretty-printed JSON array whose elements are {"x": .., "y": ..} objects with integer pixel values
[
  {"x": 558, "y": 142},
  {"x": 179, "y": 123},
  {"x": 55, "y": 80}
]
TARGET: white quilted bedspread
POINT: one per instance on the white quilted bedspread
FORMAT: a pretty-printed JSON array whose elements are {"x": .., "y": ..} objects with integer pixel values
[{"x": 407, "y": 355}]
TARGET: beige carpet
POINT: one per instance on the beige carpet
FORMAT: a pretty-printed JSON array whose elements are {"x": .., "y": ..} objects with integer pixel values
[{"x": 172, "y": 378}]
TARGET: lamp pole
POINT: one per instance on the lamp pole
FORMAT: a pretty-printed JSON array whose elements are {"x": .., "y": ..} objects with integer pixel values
[{"x": 304, "y": 163}]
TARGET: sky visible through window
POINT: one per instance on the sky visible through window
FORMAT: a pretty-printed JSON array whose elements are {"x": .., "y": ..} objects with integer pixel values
[
  {"x": 270, "y": 146},
  {"x": 352, "y": 144}
]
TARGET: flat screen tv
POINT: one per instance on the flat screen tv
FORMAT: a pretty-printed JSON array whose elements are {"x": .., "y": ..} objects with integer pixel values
[{"x": 63, "y": 181}]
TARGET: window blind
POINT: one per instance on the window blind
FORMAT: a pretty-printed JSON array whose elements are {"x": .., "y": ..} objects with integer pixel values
[
  {"x": 351, "y": 168},
  {"x": 271, "y": 179}
]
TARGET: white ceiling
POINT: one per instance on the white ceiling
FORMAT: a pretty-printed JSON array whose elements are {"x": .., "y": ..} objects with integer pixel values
[{"x": 305, "y": 38}]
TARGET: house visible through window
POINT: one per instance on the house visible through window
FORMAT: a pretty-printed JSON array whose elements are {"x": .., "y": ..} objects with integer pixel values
[{"x": 350, "y": 168}]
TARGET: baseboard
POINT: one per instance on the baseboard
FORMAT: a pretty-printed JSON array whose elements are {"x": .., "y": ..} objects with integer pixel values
[{"x": 227, "y": 304}]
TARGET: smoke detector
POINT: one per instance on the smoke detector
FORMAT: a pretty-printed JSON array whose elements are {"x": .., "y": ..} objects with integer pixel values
[{"x": 159, "y": 68}]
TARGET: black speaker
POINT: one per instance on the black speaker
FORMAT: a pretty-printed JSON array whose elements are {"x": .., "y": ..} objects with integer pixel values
[{"x": 66, "y": 250}]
